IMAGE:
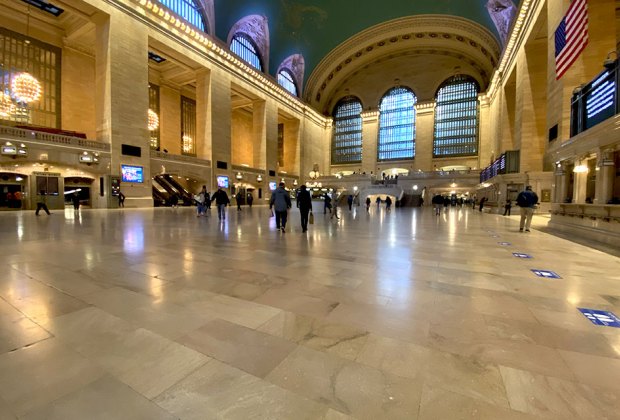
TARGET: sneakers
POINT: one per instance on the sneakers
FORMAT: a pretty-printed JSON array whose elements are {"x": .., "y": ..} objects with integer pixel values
[
  {"x": 520, "y": 229},
  {"x": 527, "y": 230}
]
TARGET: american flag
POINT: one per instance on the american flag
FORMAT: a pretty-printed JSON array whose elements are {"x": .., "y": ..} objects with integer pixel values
[{"x": 571, "y": 37}]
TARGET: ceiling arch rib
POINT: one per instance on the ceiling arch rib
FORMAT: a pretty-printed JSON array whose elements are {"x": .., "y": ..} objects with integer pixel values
[{"x": 427, "y": 37}]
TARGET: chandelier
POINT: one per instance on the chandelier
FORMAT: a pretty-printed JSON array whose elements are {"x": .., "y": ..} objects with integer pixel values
[
  {"x": 25, "y": 88},
  {"x": 153, "y": 120},
  {"x": 7, "y": 107},
  {"x": 188, "y": 143}
]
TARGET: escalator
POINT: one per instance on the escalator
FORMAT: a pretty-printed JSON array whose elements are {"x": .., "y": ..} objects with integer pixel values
[
  {"x": 175, "y": 188},
  {"x": 159, "y": 198}
]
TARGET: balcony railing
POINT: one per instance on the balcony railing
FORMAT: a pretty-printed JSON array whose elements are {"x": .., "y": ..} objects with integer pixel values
[{"x": 32, "y": 135}]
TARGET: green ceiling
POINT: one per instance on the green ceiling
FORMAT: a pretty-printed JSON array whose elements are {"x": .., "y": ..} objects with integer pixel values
[{"x": 314, "y": 27}]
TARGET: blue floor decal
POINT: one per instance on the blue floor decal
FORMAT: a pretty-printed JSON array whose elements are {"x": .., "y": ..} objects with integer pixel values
[
  {"x": 520, "y": 255},
  {"x": 604, "y": 318},
  {"x": 546, "y": 274}
]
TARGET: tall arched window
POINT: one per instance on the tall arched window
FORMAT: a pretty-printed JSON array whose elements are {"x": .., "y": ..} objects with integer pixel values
[
  {"x": 188, "y": 10},
  {"x": 347, "y": 141},
  {"x": 287, "y": 81},
  {"x": 244, "y": 47},
  {"x": 456, "y": 118},
  {"x": 397, "y": 125}
]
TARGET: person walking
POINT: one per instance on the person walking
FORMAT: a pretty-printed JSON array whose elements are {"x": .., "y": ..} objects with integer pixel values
[
  {"x": 334, "y": 210},
  {"x": 221, "y": 201},
  {"x": 42, "y": 203},
  {"x": 281, "y": 200},
  {"x": 378, "y": 201},
  {"x": 350, "y": 202},
  {"x": 75, "y": 199},
  {"x": 200, "y": 200},
  {"x": 368, "y": 204},
  {"x": 250, "y": 199},
  {"x": 388, "y": 203},
  {"x": 304, "y": 204},
  {"x": 121, "y": 199},
  {"x": 238, "y": 198},
  {"x": 437, "y": 203},
  {"x": 507, "y": 207},
  {"x": 481, "y": 205},
  {"x": 527, "y": 201},
  {"x": 327, "y": 203}
]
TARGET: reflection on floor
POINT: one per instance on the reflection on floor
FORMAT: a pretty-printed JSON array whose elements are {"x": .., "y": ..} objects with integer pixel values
[{"x": 124, "y": 314}]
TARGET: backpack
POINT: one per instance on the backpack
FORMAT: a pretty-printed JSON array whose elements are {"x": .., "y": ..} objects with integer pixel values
[{"x": 522, "y": 200}]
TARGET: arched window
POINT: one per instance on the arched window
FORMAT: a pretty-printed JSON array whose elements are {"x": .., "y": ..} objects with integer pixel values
[
  {"x": 188, "y": 10},
  {"x": 347, "y": 141},
  {"x": 456, "y": 118},
  {"x": 287, "y": 81},
  {"x": 397, "y": 125},
  {"x": 244, "y": 47}
]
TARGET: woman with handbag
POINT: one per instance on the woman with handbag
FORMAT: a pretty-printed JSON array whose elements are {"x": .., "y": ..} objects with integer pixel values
[{"x": 304, "y": 203}]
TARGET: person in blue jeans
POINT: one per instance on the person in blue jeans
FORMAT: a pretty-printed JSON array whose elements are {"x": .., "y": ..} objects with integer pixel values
[
  {"x": 281, "y": 200},
  {"x": 221, "y": 201}
]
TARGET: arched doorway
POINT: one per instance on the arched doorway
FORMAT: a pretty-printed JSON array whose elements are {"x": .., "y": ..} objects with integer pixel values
[
  {"x": 82, "y": 186},
  {"x": 12, "y": 191}
]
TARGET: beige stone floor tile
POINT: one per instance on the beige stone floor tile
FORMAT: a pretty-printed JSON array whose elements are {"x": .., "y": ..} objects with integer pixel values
[
  {"x": 298, "y": 303},
  {"x": 219, "y": 391},
  {"x": 335, "y": 415},
  {"x": 105, "y": 398},
  {"x": 7, "y": 414},
  {"x": 394, "y": 356},
  {"x": 441, "y": 404},
  {"x": 558, "y": 338},
  {"x": 73, "y": 283},
  {"x": 16, "y": 330},
  {"x": 348, "y": 387},
  {"x": 593, "y": 370},
  {"x": 338, "y": 339},
  {"x": 237, "y": 311},
  {"x": 541, "y": 395},
  {"x": 34, "y": 376},
  {"x": 252, "y": 351}
]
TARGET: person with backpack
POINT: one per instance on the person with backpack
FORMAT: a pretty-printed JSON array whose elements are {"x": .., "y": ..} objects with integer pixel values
[{"x": 527, "y": 201}]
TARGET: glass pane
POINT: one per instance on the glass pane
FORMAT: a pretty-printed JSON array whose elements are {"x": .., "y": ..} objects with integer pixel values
[
  {"x": 244, "y": 48},
  {"x": 397, "y": 125},
  {"x": 285, "y": 79},
  {"x": 188, "y": 10},
  {"x": 456, "y": 119},
  {"x": 347, "y": 141},
  {"x": 188, "y": 126}
]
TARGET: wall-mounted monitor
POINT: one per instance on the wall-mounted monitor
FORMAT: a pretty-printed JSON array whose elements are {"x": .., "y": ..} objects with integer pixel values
[
  {"x": 272, "y": 185},
  {"x": 222, "y": 181},
  {"x": 131, "y": 173},
  {"x": 9, "y": 150}
]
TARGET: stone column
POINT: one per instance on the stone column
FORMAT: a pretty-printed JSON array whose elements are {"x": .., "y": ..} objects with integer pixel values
[
  {"x": 121, "y": 83},
  {"x": 259, "y": 134},
  {"x": 485, "y": 143},
  {"x": 580, "y": 185},
  {"x": 203, "y": 116},
  {"x": 561, "y": 184},
  {"x": 370, "y": 133},
  {"x": 220, "y": 121},
  {"x": 425, "y": 126},
  {"x": 605, "y": 177}
]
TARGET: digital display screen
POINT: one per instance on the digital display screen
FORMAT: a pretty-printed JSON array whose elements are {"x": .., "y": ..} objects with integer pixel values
[
  {"x": 222, "y": 181},
  {"x": 132, "y": 173},
  {"x": 9, "y": 150},
  {"x": 272, "y": 185},
  {"x": 601, "y": 99}
]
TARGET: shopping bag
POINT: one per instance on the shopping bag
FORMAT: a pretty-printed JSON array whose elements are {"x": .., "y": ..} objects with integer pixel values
[{"x": 311, "y": 218}]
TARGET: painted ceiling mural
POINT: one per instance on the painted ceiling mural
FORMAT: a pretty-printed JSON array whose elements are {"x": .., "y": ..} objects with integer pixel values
[{"x": 314, "y": 27}]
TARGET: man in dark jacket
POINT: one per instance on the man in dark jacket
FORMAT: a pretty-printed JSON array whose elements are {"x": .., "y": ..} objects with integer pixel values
[
  {"x": 221, "y": 200},
  {"x": 527, "y": 201},
  {"x": 281, "y": 200},
  {"x": 304, "y": 203}
]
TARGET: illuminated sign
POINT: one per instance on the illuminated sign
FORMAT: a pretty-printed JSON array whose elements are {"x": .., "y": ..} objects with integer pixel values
[
  {"x": 222, "y": 181},
  {"x": 132, "y": 173},
  {"x": 9, "y": 150},
  {"x": 601, "y": 100}
]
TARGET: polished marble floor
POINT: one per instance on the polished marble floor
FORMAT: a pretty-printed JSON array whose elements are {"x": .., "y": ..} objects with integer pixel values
[{"x": 158, "y": 314}]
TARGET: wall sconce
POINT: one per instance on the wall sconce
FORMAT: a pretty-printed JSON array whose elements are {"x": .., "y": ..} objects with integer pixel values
[
  {"x": 239, "y": 176},
  {"x": 580, "y": 169},
  {"x": 295, "y": 182},
  {"x": 259, "y": 178}
]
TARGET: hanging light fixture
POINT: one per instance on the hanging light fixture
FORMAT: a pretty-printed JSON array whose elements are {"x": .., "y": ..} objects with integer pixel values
[
  {"x": 24, "y": 86},
  {"x": 187, "y": 143},
  {"x": 7, "y": 107},
  {"x": 153, "y": 120}
]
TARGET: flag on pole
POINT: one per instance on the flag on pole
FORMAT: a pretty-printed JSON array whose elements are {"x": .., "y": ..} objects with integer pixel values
[{"x": 571, "y": 37}]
